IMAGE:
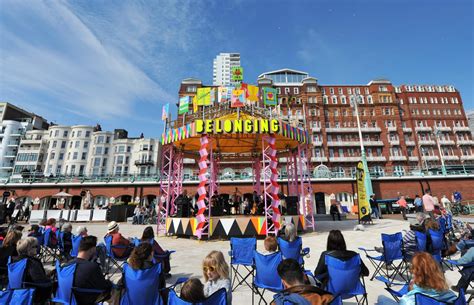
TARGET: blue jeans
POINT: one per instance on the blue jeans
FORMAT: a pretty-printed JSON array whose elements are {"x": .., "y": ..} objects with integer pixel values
[
  {"x": 375, "y": 212},
  {"x": 465, "y": 244}
]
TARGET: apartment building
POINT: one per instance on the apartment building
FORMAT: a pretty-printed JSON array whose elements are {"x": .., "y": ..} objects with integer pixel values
[{"x": 222, "y": 68}]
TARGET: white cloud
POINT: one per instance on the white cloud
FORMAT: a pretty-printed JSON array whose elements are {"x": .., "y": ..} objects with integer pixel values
[{"x": 94, "y": 65}]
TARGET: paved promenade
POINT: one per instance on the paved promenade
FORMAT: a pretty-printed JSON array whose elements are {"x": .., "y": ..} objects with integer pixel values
[{"x": 186, "y": 262}]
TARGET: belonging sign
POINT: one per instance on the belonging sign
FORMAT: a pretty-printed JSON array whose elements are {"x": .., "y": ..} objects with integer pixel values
[{"x": 237, "y": 126}]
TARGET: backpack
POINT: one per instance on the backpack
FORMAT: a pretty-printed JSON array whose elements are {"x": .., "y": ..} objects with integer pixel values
[{"x": 283, "y": 298}]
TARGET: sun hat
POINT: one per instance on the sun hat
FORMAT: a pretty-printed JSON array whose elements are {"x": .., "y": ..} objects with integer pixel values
[{"x": 112, "y": 226}]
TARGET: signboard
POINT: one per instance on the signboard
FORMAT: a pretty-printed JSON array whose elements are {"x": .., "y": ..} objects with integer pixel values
[
  {"x": 237, "y": 74},
  {"x": 237, "y": 126},
  {"x": 364, "y": 206}
]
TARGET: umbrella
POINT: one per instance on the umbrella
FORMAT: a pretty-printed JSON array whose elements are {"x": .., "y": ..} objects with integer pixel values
[{"x": 62, "y": 195}]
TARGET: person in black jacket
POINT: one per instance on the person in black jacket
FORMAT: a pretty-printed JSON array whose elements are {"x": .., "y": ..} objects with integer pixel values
[
  {"x": 34, "y": 272},
  {"x": 336, "y": 247},
  {"x": 88, "y": 273},
  {"x": 8, "y": 249}
]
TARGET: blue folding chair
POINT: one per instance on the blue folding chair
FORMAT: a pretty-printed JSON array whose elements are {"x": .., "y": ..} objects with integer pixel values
[
  {"x": 217, "y": 298},
  {"x": 112, "y": 260},
  {"x": 48, "y": 250},
  {"x": 241, "y": 254},
  {"x": 137, "y": 241},
  {"x": 266, "y": 275},
  {"x": 437, "y": 244},
  {"x": 442, "y": 224},
  {"x": 391, "y": 258},
  {"x": 66, "y": 292},
  {"x": 421, "y": 299},
  {"x": 16, "y": 272},
  {"x": 17, "y": 296},
  {"x": 293, "y": 249},
  {"x": 397, "y": 294},
  {"x": 345, "y": 279},
  {"x": 76, "y": 241},
  {"x": 141, "y": 286},
  {"x": 460, "y": 268},
  {"x": 421, "y": 241}
]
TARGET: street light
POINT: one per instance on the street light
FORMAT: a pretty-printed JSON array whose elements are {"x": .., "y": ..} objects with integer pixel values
[
  {"x": 367, "y": 182},
  {"x": 437, "y": 133}
]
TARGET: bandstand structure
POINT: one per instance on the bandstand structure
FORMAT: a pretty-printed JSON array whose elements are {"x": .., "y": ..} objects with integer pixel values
[{"x": 253, "y": 133}]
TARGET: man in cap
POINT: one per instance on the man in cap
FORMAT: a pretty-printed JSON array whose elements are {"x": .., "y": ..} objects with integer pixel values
[{"x": 118, "y": 240}]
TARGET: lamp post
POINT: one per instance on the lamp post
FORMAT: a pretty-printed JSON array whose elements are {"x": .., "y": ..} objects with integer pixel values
[
  {"x": 367, "y": 182},
  {"x": 443, "y": 167}
]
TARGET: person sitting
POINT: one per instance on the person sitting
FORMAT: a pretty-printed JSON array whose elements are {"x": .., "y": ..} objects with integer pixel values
[
  {"x": 409, "y": 239},
  {"x": 293, "y": 279},
  {"x": 51, "y": 224},
  {"x": 88, "y": 273},
  {"x": 290, "y": 232},
  {"x": 216, "y": 274},
  {"x": 467, "y": 273},
  {"x": 82, "y": 231},
  {"x": 164, "y": 259},
  {"x": 336, "y": 247},
  {"x": 192, "y": 291},
  {"x": 334, "y": 210},
  {"x": 428, "y": 279},
  {"x": 34, "y": 271},
  {"x": 118, "y": 240},
  {"x": 66, "y": 230},
  {"x": 271, "y": 245},
  {"x": 138, "y": 215},
  {"x": 8, "y": 249},
  {"x": 34, "y": 231}
]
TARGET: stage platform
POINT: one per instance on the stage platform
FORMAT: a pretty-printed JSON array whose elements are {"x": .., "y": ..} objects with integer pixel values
[{"x": 235, "y": 225}]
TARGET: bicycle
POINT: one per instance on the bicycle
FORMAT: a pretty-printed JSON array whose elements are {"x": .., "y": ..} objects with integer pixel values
[{"x": 458, "y": 208}]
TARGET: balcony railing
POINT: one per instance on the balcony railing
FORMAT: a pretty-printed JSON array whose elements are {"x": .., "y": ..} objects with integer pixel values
[
  {"x": 319, "y": 159},
  {"x": 413, "y": 158},
  {"x": 397, "y": 158},
  {"x": 315, "y": 129},
  {"x": 446, "y": 142},
  {"x": 426, "y": 142},
  {"x": 343, "y": 143},
  {"x": 407, "y": 129},
  {"x": 371, "y": 129},
  {"x": 144, "y": 163},
  {"x": 451, "y": 158},
  {"x": 422, "y": 128},
  {"x": 410, "y": 143},
  {"x": 392, "y": 128},
  {"x": 471, "y": 157},
  {"x": 394, "y": 142},
  {"x": 460, "y": 128},
  {"x": 342, "y": 129},
  {"x": 376, "y": 158},
  {"x": 430, "y": 158},
  {"x": 344, "y": 159},
  {"x": 443, "y": 128},
  {"x": 465, "y": 142},
  {"x": 317, "y": 143},
  {"x": 373, "y": 143}
]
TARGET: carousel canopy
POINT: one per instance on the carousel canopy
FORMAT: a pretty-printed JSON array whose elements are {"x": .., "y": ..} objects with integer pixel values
[{"x": 236, "y": 133}]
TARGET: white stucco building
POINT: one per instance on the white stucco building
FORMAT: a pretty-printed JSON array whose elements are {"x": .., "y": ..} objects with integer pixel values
[{"x": 222, "y": 68}]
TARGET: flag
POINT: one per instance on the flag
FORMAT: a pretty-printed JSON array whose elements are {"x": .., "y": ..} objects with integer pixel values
[
  {"x": 363, "y": 202},
  {"x": 238, "y": 98},
  {"x": 270, "y": 96},
  {"x": 183, "y": 105},
  {"x": 244, "y": 87},
  {"x": 213, "y": 95},
  {"x": 195, "y": 104},
  {"x": 224, "y": 94},
  {"x": 203, "y": 96},
  {"x": 237, "y": 74},
  {"x": 252, "y": 93},
  {"x": 165, "y": 112}
]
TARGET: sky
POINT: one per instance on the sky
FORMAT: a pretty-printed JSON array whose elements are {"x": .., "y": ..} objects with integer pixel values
[{"x": 117, "y": 62}]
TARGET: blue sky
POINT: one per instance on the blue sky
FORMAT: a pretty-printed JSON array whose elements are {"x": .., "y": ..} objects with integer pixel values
[{"x": 117, "y": 62}]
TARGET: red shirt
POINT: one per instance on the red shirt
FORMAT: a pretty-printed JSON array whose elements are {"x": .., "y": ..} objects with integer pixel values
[
  {"x": 118, "y": 239},
  {"x": 402, "y": 203}
]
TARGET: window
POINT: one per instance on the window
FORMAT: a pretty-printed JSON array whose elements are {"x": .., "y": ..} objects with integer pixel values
[
  {"x": 191, "y": 89},
  {"x": 54, "y": 144},
  {"x": 343, "y": 100},
  {"x": 84, "y": 155},
  {"x": 74, "y": 155},
  {"x": 70, "y": 144},
  {"x": 73, "y": 133},
  {"x": 296, "y": 90},
  {"x": 61, "y": 156},
  {"x": 311, "y": 89},
  {"x": 334, "y": 100},
  {"x": 98, "y": 150},
  {"x": 88, "y": 133},
  {"x": 79, "y": 133},
  {"x": 65, "y": 132},
  {"x": 86, "y": 144},
  {"x": 325, "y": 99},
  {"x": 331, "y": 90},
  {"x": 340, "y": 91},
  {"x": 52, "y": 155},
  {"x": 369, "y": 99},
  {"x": 287, "y": 90},
  {"x": 56, "y": 133},
  {"x": 76, "y": 145},
  {"x": 97, "y": 162},
  {"x": 349, "y": 90},
  {"x": 278, "y": 90},
  {"x": 63, "y": 144}
]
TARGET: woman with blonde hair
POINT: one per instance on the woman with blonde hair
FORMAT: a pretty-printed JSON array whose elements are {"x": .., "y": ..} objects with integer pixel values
[
  {"x": 216, "y": 274},
  {"x": 290, "y": 232},
  {"x": 428, "y": 279}
]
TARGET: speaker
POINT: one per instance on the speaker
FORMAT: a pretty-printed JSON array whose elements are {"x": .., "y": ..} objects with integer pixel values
[
  {"x": 182, "y": 209},
  {"x": 292, "y": 205}
]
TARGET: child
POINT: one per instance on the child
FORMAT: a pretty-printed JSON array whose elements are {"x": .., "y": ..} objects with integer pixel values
[
  {"x": 271, "y": 245},
  {"x": 216, "y": 274},
  {"x": 193, "y": 291}
]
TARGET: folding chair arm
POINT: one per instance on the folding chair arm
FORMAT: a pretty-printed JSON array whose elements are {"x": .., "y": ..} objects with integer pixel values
[
  {"x": 88, "y": 290},
  {"x": 305, "y": 251},
  {"x": 367, "y": 250},
  {"x": 387, "y": 282},
  {"x": 456, "y": 263},
  {"x": 179, "y": 281}
]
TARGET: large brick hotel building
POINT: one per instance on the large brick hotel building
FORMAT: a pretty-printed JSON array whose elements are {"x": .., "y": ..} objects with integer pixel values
[{"x": 406, "y": 129}]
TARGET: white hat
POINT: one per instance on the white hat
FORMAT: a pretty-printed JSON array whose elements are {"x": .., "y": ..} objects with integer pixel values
[{"x": 112, "y": 226}]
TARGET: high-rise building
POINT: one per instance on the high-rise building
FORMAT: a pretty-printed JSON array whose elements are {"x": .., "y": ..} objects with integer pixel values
[
  {"x": 222, "y": 68},
  {"x": 14, "y": 123}
]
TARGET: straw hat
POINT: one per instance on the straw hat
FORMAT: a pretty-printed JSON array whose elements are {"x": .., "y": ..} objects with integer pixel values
[{"x": 112, "y": 226}]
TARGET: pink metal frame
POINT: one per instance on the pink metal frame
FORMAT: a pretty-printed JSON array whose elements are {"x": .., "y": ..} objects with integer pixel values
[
  {"x": 269, "y": 189},
  {"x": 292, "y": 173},
  {"x": 304, "y": 157}
]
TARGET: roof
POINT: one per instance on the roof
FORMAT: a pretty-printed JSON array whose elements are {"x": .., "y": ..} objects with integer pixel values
[{"x": 282, "y": 70}]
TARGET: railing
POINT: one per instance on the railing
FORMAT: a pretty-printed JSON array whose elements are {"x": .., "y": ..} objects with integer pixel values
[
  {"x": 422, "y": 128},
  {"x": 405, "y": 171},
  {"x": 407, "y": 129},
  {"x": 465, "y": 142},
  {"x": 426, "y": 142},
  {"x": 461, "y": 128},
  {"x": 410, "y": 143}
]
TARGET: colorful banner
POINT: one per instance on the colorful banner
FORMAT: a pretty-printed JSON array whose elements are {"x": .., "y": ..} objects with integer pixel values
[
  {"x": 252, "y": 93},
  {"x": 237, "y": 74},
  {"x": 270, "y": 96},
  {"x": 363, "y": 201},
  {"x": 201, "y": 202},
  {"x": 195, "y": 104},
  {"x": 238, "y": 98},
  {"x": 165, "y": 112},
  {"x": 213, "y": 95},
  {"x": 204, "y": 96},
  {"x": 261, "y": 126},
  {"x": 224, "y": 94},
  {"x": 183, "y": 105}
]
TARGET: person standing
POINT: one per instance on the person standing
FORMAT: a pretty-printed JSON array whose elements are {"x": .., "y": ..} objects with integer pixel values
[
  {"x": 374, "y": 207},
  {"x": 446, "y": 204},
  {"x": 457, "y": 197},
  {"x": 334, "y": 210},
  {"x": 418, "y": 204},
  {"x": 403, "y": 206},
  {"x": 428, "y": 203}
]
